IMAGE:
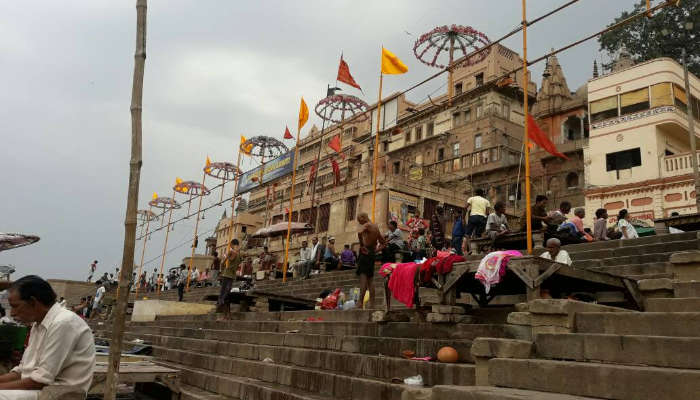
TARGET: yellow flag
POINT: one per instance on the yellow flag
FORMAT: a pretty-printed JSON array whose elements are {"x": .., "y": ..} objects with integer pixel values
[
  {"x": 303, "y": 113},
  {"x": 178, "y": 181},
  {"x": 207, "y": 166},
  {"x": 155, "y": 195},
  {"x": 391, "y": 65},
  {"x": 246, "y": 150}
]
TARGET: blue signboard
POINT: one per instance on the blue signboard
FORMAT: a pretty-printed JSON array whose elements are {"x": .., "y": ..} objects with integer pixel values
[{"x": 274, "y": 169}]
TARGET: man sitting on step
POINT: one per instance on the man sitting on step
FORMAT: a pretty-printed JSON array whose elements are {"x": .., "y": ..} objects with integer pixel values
[
  {"x": 554, "y": 252},
  {"x": 61, "y": 348}
]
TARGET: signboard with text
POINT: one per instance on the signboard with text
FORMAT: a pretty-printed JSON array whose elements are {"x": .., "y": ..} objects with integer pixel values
[{"x": 276, "y": 168}]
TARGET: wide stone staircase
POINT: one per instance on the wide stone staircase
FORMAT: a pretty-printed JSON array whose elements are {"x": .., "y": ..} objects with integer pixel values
[
  {"x": 309, "y": 354},
  {"x": 544, "y": 349}
]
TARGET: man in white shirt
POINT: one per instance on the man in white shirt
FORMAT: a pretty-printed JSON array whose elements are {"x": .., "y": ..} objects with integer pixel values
[
  {"x": 315, "y": 256},
  {"x": 303, "y": 266},
  {"x": 61, "y": 347},
  {"x": 554, "y": 252},
  {"x": 97, "y": 301}
]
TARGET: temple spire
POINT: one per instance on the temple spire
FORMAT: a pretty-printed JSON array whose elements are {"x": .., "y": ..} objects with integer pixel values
[{"x": 595, "y": 69}]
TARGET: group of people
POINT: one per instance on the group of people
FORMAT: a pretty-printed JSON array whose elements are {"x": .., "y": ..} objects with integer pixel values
[{"x": 323, "y": 252}]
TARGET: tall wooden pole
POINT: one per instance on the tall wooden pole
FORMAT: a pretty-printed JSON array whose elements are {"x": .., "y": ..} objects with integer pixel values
[
  {"x": 165, "y": 244},
  {"x": 115, "y": 349},
  {"x": 291, "y": 208},
  {"x": 376, "y": 147},
  {"x": 196, "y": 227},
  {"x": 143, "y": 252},
  {"x": 233, "y": 210},
  {"x": 528, "y": 209}
]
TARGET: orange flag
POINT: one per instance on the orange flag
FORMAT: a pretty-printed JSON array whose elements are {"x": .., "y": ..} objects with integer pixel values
[
  {"x": 344, "y": 74},
  {"x": 392, "y": 65},
  {"x": 334, "y": 143},
  {"x": 155, "y": 195},
  {"x": 246, "y": 150},
  {"x": 536, "y": 135},
  {"x": 303, "y": 113},
  {"x": 207, "y": 166},
  {"x": 287, "y": 134}
]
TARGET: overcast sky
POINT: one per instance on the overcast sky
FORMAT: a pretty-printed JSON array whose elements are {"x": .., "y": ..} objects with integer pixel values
[{"x": 215, "y": 69}]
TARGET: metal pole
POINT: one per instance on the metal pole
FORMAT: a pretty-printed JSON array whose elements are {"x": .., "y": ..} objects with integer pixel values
[
  {"x": 143, "y": 251},
  {"x": 196, "y": 227},
  {"x": 314, "y": 210},
  {"x": 376, "y": 147},
  {"x": 165, "y": 245},
  {"x": 528, "y": 210},
  {"x": 691, "y": 132}
]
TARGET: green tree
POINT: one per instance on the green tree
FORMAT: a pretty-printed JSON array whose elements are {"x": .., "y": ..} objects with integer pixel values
[{"x": 662, "y": 35}]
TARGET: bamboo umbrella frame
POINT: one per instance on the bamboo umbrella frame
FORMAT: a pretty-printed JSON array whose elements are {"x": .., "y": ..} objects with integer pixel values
[
  {"x": 146, "y": 215},
  {"x": 265, "y": 147},
  {"x": 169, "y": 204},
  {"x": 192, "y": 189},
  {"x": 225, "y": 171}
]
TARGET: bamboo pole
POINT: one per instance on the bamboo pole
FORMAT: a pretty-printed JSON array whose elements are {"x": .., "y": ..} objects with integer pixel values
[
  {"x": 131, "y": 204},
  {"x": 376, "y": 147},
  {"x": 196, "y": 227},
  {"x": 291, "y": 209},
  {"x": 165, "y": 245},
  {"x": 528, "y": 210},
  {"x": 233, "y": 210},
  {"x": 143, "y": 252}
]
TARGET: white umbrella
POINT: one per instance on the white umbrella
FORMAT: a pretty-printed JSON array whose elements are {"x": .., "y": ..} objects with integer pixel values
[{"x": 11, "y": 240}]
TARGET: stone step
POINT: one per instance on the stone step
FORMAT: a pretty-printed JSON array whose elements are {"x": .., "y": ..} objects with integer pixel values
[
  {"x": 232, "y": 387},
  {"x": 294, "y": 377},
  {"x": 686, "y": 289},
  {"x": 636, "y": 269},
  {"x": 646, "y": 323},
  {"x": 686, "y": 304},
  {"x": 188, "y": 392},
  {"x": 615, "y": 244},
  {"x": 491, "y": 393},
  {"x": 327, "y": 315},
  {"x": 387, "y": 346},
  {"x": 637, "y": 249},
  {"x": 658, "y": 351},
  {"x": 382, "y": 366},
  {"x": 389, "y": 329},
  {"x": 595, "y": 380}
]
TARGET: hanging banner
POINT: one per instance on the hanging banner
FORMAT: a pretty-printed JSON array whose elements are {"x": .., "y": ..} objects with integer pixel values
[
  {"x": 274, "y": 169},
  {"x": 402, "y": 207}
]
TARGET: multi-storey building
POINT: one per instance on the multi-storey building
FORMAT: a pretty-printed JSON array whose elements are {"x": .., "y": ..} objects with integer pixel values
[{"x": 639, "y": 156}]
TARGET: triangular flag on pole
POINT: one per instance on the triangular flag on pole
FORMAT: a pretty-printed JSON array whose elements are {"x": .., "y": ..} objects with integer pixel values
[
  {"x": 207, "y": 166},
  {"x": 287, "y": 134},
  {"x": 391, "y": 65},
  {"x": 155, "y": 195},
  {"x": 303, "y": 113},
  {"x": 536, "y": 135},
  {"x": 334, "y": 143},
  {"x": 344, "y": 74}
]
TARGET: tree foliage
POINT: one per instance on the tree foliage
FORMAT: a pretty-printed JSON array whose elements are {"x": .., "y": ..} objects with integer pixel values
[{"x": 644, "y": 39}]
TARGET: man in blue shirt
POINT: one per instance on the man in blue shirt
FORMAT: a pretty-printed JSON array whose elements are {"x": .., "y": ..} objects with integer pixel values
[{"x": 458, "y": 233}]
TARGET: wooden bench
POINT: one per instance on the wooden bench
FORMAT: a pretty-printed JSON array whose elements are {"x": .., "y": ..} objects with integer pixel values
[{"x": 511, "y": 241}]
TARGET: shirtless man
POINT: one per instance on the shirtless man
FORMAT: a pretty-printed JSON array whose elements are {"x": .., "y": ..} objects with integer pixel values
[{"x": 369, "y": 237}]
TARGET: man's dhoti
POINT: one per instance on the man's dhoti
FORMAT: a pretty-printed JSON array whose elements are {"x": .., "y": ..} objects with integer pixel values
[{"x": 19, "y": 394}]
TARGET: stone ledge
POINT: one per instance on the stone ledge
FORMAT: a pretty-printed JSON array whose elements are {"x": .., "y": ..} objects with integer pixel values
[
  {"x": 520, "y": 318},
  {"x": 562, "y": 306},
  {"x": 647, "y": 285},
  {"x": 685, "y": 257},
  {"x": 501, "y": 348}
]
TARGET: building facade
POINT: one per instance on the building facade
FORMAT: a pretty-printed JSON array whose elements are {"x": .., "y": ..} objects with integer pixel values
[{"x": 638, "y": 157}]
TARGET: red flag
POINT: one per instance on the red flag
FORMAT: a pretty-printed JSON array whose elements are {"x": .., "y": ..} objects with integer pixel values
[
  {"x": 287, "y": 134},
  {"x": 336, "y": 172},
  {"x": 344, "y": 74},
  {"x": 334, "y": 143},
  {"x": 312, "y": 174},
  {"x": 540, "y": 138}
]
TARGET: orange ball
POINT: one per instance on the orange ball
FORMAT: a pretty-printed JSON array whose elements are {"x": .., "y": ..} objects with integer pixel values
[{"x": 447, "y": 354}]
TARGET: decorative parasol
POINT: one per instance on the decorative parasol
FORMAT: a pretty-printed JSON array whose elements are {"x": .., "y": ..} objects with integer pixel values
[
  {"x": 225, "y": 171},
  {"x": 280, "y": 229},
  {"x": 192, "y": 189},
  {"x": 13, "y": 240},
  {"x": 337, "y": 107},
  {"x": 445, "y": 40},
  {"x": 265, "y": 147}
]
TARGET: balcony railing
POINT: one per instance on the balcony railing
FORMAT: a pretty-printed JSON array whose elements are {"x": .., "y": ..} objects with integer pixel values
[{"x": 677, "y": 164}]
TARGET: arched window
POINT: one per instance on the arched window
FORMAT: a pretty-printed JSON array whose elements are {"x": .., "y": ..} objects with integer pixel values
[{"x": 572, "y": 180}]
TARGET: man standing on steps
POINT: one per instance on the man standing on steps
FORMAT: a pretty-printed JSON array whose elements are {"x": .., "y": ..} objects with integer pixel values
[
  {"x": 371, "y": 241},
  {"x": 231, "y": 263},
  {"x": 93, "y": 268},
  {"x": 181, "y": 280}
]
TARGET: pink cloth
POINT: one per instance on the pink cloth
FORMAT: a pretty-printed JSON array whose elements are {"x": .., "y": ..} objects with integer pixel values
[
  {"x": 401, "y": 281},
  {"x": 578, "y": 223},
  {"x": 493, "y": 266}
]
